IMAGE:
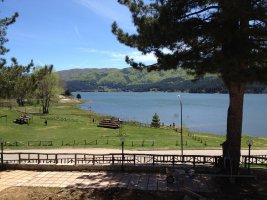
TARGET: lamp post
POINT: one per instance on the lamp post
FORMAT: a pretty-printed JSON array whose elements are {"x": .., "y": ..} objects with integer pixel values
[
  {"x": 249, "y": 143},
  {"x": 122, "y": 139},
  {"x": 182, "y": 145}
]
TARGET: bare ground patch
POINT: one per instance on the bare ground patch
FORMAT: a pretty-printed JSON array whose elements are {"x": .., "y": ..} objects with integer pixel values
[
  {"x": 48, "y": 127},
  {"x": 29, "y": 193}
]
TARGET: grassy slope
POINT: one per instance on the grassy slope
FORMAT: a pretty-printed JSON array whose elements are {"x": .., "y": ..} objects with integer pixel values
[{"x": 66, "y": 122}]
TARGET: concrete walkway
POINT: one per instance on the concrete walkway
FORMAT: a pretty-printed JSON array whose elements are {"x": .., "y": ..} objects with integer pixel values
[
  {"x": 106, "y": 151},
  {"x": 68, "y": 179}
]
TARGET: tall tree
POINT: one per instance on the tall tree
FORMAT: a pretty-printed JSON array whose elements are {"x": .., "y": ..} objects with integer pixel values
[
  {"x": 14, "y": 77},
  {"x": 228, "y": 38},
  {"x": 14, "y": 81},
  {"x": 4, "y": 23},
  {"x": 47, "y": 86}
]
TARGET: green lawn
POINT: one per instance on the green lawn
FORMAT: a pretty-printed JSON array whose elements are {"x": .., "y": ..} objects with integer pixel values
[{"x": 70, "y": 127}]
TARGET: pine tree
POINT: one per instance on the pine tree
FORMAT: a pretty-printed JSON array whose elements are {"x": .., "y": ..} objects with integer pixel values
[
  {"x": 226, "y": 38},
  {"x": 155, "y": 121},
  {"x": 78, "y": 96},
  {"x": 4, "y": 23}
]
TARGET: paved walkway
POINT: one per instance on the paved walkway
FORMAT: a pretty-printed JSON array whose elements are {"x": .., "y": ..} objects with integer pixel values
[
  {"x": 68, "y": 179},
  {"x": 106, "y": 151}
]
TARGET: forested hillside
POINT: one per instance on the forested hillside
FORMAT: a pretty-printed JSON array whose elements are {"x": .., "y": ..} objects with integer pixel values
[{"x": 129, "y": 79}]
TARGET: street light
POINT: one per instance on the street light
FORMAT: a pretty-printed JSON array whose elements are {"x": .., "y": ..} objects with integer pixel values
[
  {"x": 249, "y": 143},
  {"x": 122, "y": 139},
  {"x": 182, "y": 145}
]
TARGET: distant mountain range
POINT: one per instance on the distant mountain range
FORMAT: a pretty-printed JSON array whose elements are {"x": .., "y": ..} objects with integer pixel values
[{"x": 129, "y": 79}]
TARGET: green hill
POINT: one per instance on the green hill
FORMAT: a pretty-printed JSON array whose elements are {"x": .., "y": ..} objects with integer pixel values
[{"x": 129, "y": 79}]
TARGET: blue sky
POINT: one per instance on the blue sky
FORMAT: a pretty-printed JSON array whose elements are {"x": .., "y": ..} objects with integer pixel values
[{"x": 69, "y": 33}]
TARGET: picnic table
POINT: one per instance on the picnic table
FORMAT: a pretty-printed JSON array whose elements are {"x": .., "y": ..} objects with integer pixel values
[{"x": 23, "y": 119}]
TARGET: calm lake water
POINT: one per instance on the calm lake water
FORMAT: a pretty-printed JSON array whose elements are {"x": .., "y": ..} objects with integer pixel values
[{"x": 201, "y": 112}]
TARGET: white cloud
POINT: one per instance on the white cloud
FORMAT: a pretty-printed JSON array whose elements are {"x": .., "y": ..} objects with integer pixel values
[
  {"x": 118, "y": 56},
  {"x": 77, "y": 32},
  {"x": 112, "y": 54},
  {"x": 139, "y": 57},
  {"x": 110, "y": 10}
]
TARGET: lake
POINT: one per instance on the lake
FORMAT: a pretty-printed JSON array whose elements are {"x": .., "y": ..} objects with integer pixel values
[{"x": 201, "y": 112}]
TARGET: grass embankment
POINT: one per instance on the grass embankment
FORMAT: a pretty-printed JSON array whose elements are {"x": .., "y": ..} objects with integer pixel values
[{"x": 70, "y": 127}]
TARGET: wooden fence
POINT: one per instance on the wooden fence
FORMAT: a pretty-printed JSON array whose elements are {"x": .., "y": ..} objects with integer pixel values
[
  {"x": 126, "y": 159},
  {"x": 254, "y": 160},
  {"x": 108, "y": 159}
]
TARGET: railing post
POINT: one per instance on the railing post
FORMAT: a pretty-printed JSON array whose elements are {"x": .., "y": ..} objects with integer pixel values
[
  {"x": 38, "y": 158},
  {"x": 194, "y": 161},
  {"x": 56, "y": 161},
  {"x": 173, "y": 161},
  {"x": 112, "y": 159},
  {"x": 75, "y": 159},
  {"x": 19, "y": 158},
  {"x": 2, "y": 154},
  {"x": 93, "y": 159},
  {"x": 153, "y": 159},
  {"x": 134, "y": 160}
]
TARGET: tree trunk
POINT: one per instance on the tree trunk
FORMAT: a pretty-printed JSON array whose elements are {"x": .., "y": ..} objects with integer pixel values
[{"x": 232, "y": 146}]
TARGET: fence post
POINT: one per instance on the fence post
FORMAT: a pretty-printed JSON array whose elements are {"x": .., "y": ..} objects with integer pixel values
[
  {"x": 2, "y": 154},
  {"x": 75, "y": 159},
  {"x": 153, "y": 159},
  {"x": 194, "y": 161},
  {"x": 38, "y": 158},
  {"x": 112, "y": 159},
  {"x": 134, "y": 159},
  {"x": 19, "y": 158},
  {"x": 173, "y": 161},
  {"x": 56, "y": 161},
  {"x": 93, "y": 159}
]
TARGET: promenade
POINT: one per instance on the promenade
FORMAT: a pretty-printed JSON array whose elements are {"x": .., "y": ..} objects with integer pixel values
[
  {"x": 69, "y": 179},
  {"x": 207, "y": 152}
]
